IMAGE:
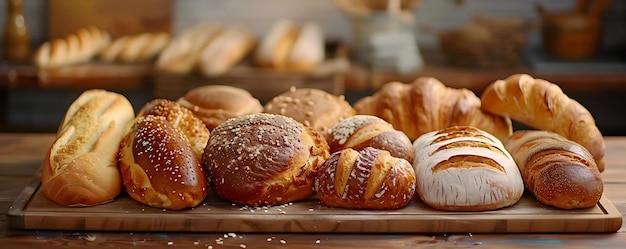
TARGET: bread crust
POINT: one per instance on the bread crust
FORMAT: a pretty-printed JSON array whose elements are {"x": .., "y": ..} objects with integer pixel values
[{"x": 80, "y": 168}]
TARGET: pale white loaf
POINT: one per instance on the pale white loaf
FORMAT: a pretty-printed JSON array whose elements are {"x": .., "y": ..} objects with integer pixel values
[
  {"x": 463, "y": 168},
  {"x": 81, "y": 168}
]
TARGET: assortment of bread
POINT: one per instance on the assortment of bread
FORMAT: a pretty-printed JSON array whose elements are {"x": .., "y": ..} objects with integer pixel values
[
  {"x": 443, "y": 147},
  {"x": 462, "y": 168}
]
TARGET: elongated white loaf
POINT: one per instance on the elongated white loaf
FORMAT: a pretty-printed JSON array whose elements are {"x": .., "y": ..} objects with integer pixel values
[
  {"x": 463, "y": 168},
  {"x": 81, "y": 168}
]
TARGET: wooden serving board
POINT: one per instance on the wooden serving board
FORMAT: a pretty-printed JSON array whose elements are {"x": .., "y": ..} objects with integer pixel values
[{"x": 32, "y": 210}]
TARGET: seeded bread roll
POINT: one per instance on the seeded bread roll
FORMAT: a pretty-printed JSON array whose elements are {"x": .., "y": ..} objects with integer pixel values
[
  {"x": 462, "y": 168},
  {"x": 183, "y": 119},
  {"x": 361, "y": 131},
  {"x": 160, "y": 158},
  {"x": 366, "y": 179},
  {"x": 214, "y": 104},
  {"x": 312, "y": 107},
  {"x": 263, "y": 159}
]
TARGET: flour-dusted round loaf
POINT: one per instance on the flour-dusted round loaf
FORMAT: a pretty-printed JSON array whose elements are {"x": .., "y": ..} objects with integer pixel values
[
  {"x": 361, "y": 131},
  {"x": 263, "y": 159},
  {"x": 367, "y": 179},
  {"x": 462, "y": 168}
]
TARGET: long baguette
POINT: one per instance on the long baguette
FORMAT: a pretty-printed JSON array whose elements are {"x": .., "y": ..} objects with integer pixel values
[{"x": 80, "y": 168}]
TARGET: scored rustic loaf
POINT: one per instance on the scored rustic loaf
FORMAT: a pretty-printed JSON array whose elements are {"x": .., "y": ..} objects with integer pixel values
[
  {"x": 361, "y": 131},
  {"x": 559, "y": 172},
  {"x": 462, "y": 168},
  {"x": 80, "y": 169},
  {"x": 543, "y": 105},
  {"x": 367, "y": 179}
]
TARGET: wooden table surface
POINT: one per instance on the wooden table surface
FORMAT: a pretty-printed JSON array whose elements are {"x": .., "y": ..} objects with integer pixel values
[{"x": 21, "y": 156}]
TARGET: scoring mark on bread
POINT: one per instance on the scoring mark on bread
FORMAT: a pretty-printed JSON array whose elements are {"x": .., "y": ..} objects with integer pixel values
[
  {"x": 469, "y": 144},
  {"x": 466, "y": 162}
]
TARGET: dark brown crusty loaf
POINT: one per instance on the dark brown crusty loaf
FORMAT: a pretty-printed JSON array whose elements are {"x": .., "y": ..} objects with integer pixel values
[
  {"x": 160, "y": 157},
  {"x": 365, "y": 179},
  {"x": 263, "y": 159},
  {"x": 80, "y": 169},
  {"x": 558, "y": 171},
  {"x": 361, "y": 131}
]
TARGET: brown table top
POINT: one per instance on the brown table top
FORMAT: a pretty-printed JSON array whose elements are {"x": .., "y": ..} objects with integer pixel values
[{"x": 21, "y": 156}]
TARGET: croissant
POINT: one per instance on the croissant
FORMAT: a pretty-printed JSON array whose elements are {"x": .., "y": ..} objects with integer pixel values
[
  {"x": 428, "y": 105},
  {"x": 543, "y": 105},
  {"x": 558, "y": 171}
]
